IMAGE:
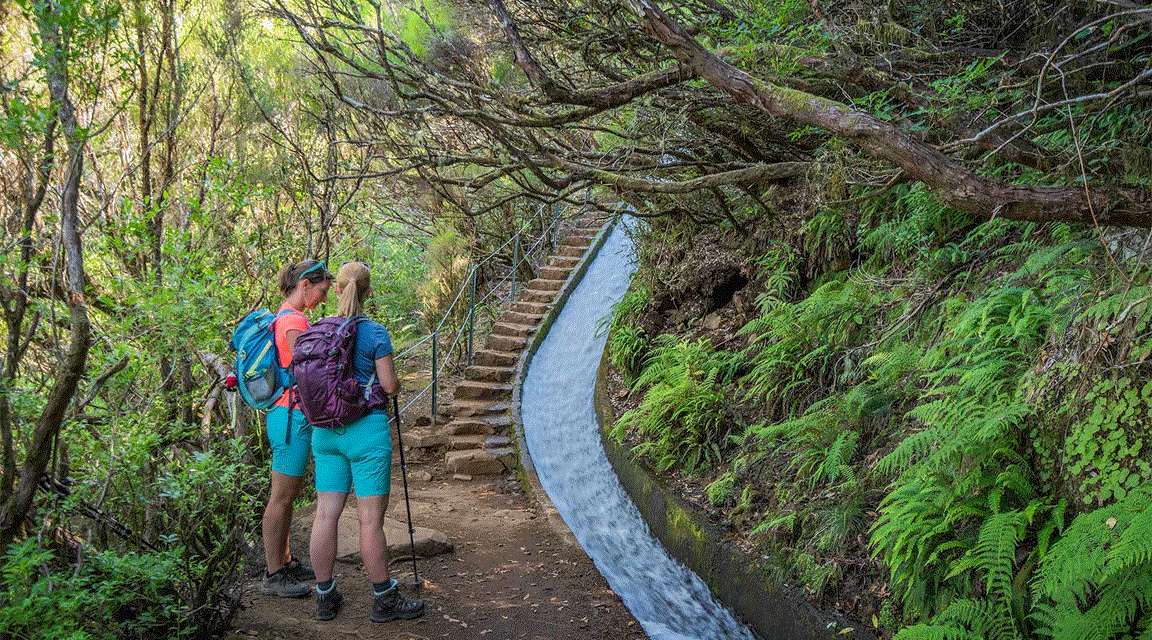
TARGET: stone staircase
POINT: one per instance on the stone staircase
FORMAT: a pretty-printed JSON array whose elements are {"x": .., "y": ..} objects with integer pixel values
[{"x": 479, "y": 435}]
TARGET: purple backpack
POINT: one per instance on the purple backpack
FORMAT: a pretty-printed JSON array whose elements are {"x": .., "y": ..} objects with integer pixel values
[{"x": 327, "y": 392}]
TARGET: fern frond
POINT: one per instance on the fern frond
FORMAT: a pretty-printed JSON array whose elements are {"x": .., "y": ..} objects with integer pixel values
[
  {"x": 935, "y": 632},
  {"x": 983, "y": 619},
  {"x": 911, "y": 449},
  {"x": 994, "y": 554},
  {"x": 1099, "y": 575},
  {"x": 1134, "y": 548}
]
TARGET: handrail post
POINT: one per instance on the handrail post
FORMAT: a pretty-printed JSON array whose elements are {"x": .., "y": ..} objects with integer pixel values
[
  {"x": 435, "y": 380},
  {"x": 472, "y": 316},
  {"x": 515, "y": 262}
]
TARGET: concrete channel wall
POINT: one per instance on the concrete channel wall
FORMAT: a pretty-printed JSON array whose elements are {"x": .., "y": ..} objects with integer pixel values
[{"x": 736, "y": 577}]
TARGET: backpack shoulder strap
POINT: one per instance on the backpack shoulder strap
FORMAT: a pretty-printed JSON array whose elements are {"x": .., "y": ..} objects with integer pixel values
[{"x": 284, "y": 312}]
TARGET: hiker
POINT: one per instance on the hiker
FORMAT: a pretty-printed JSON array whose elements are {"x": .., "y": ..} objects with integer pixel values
[
  {"x": 358, "y": 455},
  {"x": 304, "y": 286}
]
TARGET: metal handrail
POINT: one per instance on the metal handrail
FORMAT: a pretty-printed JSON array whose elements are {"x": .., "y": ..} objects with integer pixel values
[{"x": 518, "y": 259}]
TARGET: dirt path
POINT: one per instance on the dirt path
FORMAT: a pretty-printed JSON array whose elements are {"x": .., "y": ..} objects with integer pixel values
[{"x": 510, "y": 576}]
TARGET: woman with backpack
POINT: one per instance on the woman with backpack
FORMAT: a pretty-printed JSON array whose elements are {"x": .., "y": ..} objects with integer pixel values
[
  {"x": 358, "y": 455},
  {"x": 304, "y": 286}
]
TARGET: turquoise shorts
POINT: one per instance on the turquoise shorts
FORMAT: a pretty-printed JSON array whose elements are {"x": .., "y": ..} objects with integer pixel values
[
  {"x": 358, "y": 454},
  {"x": 290, "y": 449}
]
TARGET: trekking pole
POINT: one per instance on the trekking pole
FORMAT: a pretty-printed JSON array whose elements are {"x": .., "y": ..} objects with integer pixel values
[{"x": 407, "y": 504}]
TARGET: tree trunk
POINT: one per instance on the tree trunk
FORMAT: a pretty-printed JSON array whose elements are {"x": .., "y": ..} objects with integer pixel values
[
  {"x": 16, "y": 507},
  {"x": 16, "y": 306},
  {"x": 953, "y": 183}
]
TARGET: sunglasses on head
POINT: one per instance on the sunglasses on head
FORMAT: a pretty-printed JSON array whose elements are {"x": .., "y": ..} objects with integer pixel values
[
  {"x": 359, "y": 262},
  {"x": 318, "y": 266}
]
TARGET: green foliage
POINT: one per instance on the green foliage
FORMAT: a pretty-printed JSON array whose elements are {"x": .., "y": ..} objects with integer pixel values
[
  {"x": 626, "y": 349},
  {"x": 399, "y": 269},
  {"x": 901, "y": 227},
  {"x": 780, "y": 22},
  {"x": 1097, "y": 580},
  {"x": 974, "y": 375},
  {"x": 681, "y": 417},
  {"x": 109, "y": 595},
  {"x": 721, "y": 489},
  {"x": 938, "y": 536},
  {"x": 814, "y": 573},
  {"x": 794, "y": 348},
  {"x": 627, "y": 343},
  {"x": 448, "y": 269},
  {"x": 819, "y": 444},
  {"x": 197, "y": 508},
  {"x": 1103, "y": 447}
]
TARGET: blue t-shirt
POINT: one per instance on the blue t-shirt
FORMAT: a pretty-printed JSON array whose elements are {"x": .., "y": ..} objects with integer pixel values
[{"x": 372, "y": 342}]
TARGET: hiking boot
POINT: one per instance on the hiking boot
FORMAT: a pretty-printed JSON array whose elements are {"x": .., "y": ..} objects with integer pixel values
[
  {"x": 328, "y": 604},
  {"x": 302, "y": 572},
  {"x": 284, "y": 585},
  {"x": 390, "y": 605}
]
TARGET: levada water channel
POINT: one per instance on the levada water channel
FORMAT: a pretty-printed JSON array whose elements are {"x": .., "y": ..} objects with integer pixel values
[{"x": 669, "y": 600}]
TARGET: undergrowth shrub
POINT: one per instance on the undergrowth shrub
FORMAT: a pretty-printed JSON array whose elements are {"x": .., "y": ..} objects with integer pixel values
[
  {"x": 1097, "y": 580},
  {"x": 797, "y": 349},
  {"x": 628, "y": 344},
  {"x": 680, "y": 420},
  {"x": 949, "y": 410},
  {"x": 448, "y": 268},
  {"x": 106, "y": 595},
  {"x": 169, "y": 564}
]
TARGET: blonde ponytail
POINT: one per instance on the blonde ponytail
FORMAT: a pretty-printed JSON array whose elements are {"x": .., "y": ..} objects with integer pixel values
[
  {"x": 353, "y": 280},
  {"x": 350, "y": 304}
]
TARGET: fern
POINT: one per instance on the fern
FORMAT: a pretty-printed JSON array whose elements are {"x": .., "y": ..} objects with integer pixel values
[
  {"x": 994, "y": 554},
  {"x": 938, "y": 533},
  {"x": 968, "y": 619},
  {"x": 1096, "y": 582},
  {"x": 834, "y": 467},
  {"x": 626, "y": 347},
  {"x": 681, "y": 416}
]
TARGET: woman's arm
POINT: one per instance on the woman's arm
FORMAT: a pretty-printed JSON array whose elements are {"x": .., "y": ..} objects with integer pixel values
[
  {"x": 290, "y": 340},
  {"x": 386, "y": 373}
]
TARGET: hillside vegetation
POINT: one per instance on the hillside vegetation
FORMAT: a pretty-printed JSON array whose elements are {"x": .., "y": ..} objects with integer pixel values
[{"x": 932, "y": 418}]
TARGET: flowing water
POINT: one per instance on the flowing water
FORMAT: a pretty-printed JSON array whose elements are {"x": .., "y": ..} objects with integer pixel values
[{"x": 669, "y": 600}]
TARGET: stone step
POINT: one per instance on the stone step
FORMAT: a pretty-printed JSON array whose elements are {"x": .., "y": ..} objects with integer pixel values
[
  {"x": 563, "y": 262},
  {"x": 478, "y": 424},
  {"x": 572, "y": 251},
  {"x": 512, "y": 329},
  {"x": 497, "y": 442},
  {"x": 576, "y": 240},
  {"x": 525, "y": 306},
  {"x": 467, "y": 441},
  {"x": 461, "y": 442},
  {"x": 478, "y": 408},
  {"x": 480, "y": 462},
  {"x": 518, "y": 317},
  {"x": 457, "y": 429},
  {"x": 553, "y": 273},
  {"x": 587, "y": 234},
  {"x": 489, "y": 374},
  {"x": 505, "y": 343},
  {"x": 496, "y": 358},
  {"x": 540, "y": 284},
  {"x": 421, "y": 439},
  {"x": 536, "y": 295},
  {"x": 477, "y": 390}
]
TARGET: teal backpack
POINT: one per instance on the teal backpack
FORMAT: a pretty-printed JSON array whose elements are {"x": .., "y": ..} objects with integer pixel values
[{"x": 259, "y": 376}]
